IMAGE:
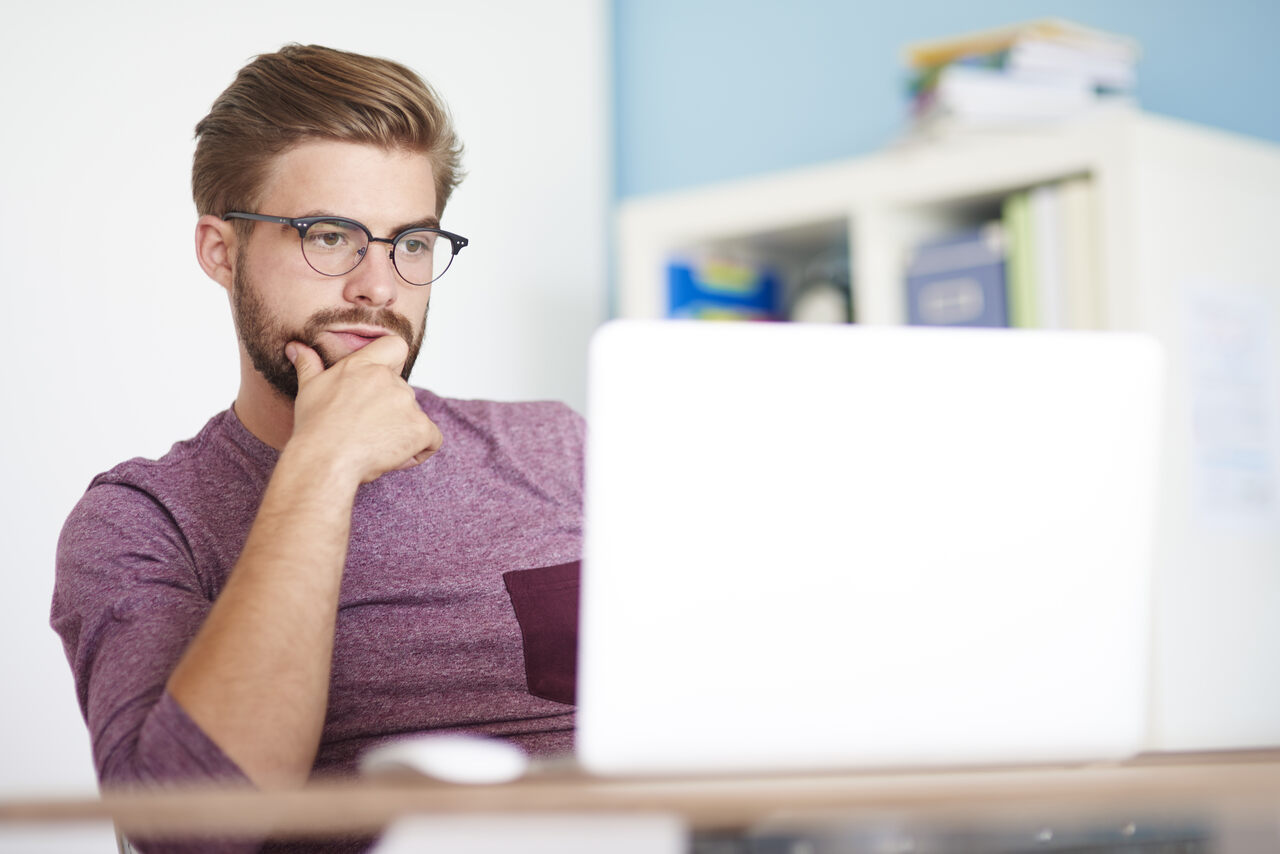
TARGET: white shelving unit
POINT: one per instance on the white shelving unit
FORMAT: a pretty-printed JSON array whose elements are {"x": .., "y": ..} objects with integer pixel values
[{"x": 1188, "y": 230}]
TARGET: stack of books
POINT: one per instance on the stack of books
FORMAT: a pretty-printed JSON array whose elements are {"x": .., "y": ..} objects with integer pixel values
[
  {"x": 1035, "y": 267},
  {"x": 1023, "y": 75}
]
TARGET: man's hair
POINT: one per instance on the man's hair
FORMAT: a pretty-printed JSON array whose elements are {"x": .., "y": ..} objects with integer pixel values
[{"x": 305, "y": 93}]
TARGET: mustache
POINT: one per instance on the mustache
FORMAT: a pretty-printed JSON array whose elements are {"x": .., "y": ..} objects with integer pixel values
[{"x": 354, "y": 315}]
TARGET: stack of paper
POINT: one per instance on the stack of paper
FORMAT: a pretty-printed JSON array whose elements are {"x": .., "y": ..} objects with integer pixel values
[{"x": 1022, "y": 75}]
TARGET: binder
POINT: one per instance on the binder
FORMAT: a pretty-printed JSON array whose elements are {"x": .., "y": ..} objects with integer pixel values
[{"x": 959, "y": 280}]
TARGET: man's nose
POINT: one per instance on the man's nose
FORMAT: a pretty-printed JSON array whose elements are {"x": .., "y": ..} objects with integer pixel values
[{"x": 374, "y": 281}]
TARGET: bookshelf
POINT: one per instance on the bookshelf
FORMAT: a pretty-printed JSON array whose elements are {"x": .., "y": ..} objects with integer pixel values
[{"x": 1185, "y": 249}]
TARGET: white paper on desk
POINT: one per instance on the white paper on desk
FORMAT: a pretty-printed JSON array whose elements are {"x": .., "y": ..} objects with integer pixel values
[
  {"x": 67, "y": 837},
  {"x": 558, "y": 833},
  {"x": 1234, "y": 403}
]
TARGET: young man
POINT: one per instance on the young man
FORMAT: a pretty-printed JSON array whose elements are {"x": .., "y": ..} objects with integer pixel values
[{"x": 339, "y": 558}]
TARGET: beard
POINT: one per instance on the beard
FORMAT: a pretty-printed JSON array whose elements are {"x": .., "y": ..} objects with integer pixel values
[{"x": 264, "y": 337}]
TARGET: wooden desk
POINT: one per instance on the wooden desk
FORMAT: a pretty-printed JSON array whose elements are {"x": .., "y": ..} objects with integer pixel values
[{"x": 1198, "y": 787}]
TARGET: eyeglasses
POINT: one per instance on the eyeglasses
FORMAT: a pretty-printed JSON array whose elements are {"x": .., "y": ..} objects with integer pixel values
[{"x": 334, "y": 246}]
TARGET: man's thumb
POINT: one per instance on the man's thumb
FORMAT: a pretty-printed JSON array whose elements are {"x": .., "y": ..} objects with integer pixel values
[{"x": 305, "y": 361}]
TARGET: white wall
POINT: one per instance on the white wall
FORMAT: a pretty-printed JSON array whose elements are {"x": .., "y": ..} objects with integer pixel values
[{"x": 116, "y": 343}]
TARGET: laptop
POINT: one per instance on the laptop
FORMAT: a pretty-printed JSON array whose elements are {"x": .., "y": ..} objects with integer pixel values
[{"x": 839, "y": 547}]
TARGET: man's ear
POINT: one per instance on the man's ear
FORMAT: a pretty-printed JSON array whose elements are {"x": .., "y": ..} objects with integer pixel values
[{"x": 216, "y": 248}]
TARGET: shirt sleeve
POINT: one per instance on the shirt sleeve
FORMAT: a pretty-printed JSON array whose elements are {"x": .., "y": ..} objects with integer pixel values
[{"x": 127, "y": 601}]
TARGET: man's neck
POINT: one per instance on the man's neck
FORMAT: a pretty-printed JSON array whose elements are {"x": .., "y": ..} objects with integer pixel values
[{"x": 263, "y": 411}]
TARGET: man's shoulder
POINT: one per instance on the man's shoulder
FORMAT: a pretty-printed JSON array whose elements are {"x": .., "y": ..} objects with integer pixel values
[
  {"x": 503, "y": 417},
  {"x": 193, "y": 461},
  {"x": 503, "y": 448},
  {"x": 215, "y": 474}
]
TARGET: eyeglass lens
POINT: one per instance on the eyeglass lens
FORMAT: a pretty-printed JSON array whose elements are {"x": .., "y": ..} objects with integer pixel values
[{"x": 336, "y": 247}]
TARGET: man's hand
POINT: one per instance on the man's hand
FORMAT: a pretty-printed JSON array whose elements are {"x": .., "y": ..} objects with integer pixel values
[{"x": 360, "y": 412}]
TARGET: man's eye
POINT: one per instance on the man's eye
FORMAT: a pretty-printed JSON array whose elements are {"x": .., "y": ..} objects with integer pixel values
[
  {"x": 326, "y": 239},
  {"x": 417, "y": 245},
  {"x": 332, "y": 237}
]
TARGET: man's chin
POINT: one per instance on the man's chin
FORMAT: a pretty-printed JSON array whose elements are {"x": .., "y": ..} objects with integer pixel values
[
  {"x": 329, "y": 357},
  {"x": 282, "y": 376}
]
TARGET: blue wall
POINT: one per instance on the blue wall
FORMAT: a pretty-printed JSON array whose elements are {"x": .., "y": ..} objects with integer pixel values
[{"x": 713, "y": 89}]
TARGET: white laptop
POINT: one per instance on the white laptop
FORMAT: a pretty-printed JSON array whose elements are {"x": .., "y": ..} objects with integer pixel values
[{"x": 841, "y": 547}]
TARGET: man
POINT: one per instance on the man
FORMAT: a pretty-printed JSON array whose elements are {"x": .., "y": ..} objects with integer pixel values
[{"x": 339, "y": 558}]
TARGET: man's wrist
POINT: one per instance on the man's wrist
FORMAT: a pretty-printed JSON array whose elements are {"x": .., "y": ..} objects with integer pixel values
[{"x": 319, "y": 466}]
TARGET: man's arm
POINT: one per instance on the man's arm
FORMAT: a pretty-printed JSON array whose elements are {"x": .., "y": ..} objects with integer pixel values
[{"x": 256, "y": 677}]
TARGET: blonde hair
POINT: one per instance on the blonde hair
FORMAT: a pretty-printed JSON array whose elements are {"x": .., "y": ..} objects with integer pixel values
[{"x": 310, "y": 92}]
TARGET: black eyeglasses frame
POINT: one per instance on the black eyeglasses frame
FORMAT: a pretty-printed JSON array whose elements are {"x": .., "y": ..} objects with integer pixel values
[{"x": 303, "y": 224}]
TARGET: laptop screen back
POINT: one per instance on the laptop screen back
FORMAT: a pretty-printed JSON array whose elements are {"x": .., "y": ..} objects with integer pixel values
[{"x": 843, "y": 547}]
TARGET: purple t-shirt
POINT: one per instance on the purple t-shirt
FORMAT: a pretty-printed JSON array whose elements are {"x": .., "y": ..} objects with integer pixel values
[{"x": 427, "y": 635}]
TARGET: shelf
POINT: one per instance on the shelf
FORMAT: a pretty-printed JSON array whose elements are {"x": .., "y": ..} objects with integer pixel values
[{"x": 1184, "y": 222}]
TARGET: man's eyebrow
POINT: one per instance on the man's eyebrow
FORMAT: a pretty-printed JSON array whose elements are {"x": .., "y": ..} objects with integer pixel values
[{"x": 426, "y": 222}]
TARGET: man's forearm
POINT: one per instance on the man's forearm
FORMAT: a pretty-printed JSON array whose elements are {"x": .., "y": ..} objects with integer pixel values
[{"x": 256, "y": 677}]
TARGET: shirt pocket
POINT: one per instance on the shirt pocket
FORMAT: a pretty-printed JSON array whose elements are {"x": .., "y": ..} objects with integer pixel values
[{"x": 546, "y": 604}]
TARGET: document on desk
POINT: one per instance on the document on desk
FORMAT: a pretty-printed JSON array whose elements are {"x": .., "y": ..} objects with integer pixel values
[{"x": 560, "y": 833}]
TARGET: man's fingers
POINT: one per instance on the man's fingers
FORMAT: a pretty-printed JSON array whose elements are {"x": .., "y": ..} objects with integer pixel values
[
  {"x": 389, "y": 350},
  {"x": 362, "y": 395},
  {"x": 434, "y": 441},
  {"x": 306, "y": 362},
  {"x": 417, "y": 459}
]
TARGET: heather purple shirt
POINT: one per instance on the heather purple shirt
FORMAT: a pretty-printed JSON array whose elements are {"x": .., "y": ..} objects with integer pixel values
[{"x": 427, "y": 638}]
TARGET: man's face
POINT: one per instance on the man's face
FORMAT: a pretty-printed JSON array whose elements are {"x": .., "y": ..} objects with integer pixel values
[{"x": 276, "y": 296}]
